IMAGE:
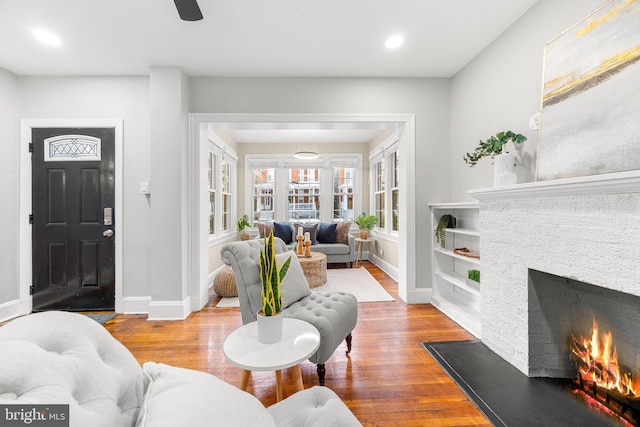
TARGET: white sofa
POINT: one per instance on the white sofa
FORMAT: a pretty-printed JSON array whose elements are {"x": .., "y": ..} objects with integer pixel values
[{"x": 66, "y": 358}]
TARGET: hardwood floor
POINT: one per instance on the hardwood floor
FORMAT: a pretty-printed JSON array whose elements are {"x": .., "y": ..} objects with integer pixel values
[{"x": 388, "y": 379}]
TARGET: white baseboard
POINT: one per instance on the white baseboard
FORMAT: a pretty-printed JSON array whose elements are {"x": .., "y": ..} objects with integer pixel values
[
  {"x": 419, "y": 296},
  {"x": 12, "y": 309},
  {"x": 135, "y": 305},
  {"x": 384, "y": 266},
  {"x": 170, "y": 310}
]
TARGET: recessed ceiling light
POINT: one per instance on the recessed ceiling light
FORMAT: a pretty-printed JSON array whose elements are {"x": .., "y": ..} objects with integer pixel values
[
  {"x": 394, "y": 42},
  {"x": 46, "y": 37}
]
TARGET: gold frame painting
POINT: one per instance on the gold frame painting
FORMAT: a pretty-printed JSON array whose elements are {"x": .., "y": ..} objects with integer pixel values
[{"x": 590, "y": 121}]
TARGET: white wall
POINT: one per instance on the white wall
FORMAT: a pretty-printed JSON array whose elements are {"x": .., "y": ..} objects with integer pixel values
[
  {"x": 427, "y": 98},
  {"x": 124, "y": 98},
  {"x": 501, "y": 89},
  {"x": 9, "y": 174},
  {"x": 168, "y": 243}
]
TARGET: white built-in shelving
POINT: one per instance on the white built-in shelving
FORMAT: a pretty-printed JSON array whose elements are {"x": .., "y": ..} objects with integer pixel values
[{"x": 453, "y": 293}]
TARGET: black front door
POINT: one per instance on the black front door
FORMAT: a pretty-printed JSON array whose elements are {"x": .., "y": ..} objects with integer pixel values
[{"x": 73, "y": 221}]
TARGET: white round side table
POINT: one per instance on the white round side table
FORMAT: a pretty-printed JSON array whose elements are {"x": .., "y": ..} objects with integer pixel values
[{"x": 299, "y": 341}]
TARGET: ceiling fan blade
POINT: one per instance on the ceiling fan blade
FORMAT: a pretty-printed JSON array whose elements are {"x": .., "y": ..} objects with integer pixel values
[{"x": 188, "y": 10}]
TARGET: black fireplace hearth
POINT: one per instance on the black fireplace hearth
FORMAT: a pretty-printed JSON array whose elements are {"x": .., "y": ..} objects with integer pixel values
[{"x": 508, "y": 397}]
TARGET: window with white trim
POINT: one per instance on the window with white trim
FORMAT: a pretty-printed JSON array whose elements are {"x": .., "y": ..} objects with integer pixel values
[
  {"x": 221, "y": 180},
  {"x": 227, "y": 195},
  {"x": 378, "y": 192},
  {"x": 211, "y": 181},
  {"x": 281, "y": 188},
  {"x": 343, "y": 187},
  {"x": 385, "y": 187},
  {"x": 264, "y": 194},
  {"x": 304, "y": 194},
  {"x": 395, "y": 191}
]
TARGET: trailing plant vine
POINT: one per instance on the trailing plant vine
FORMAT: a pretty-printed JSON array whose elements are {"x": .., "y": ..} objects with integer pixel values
[{"x": 441, "y": 235}]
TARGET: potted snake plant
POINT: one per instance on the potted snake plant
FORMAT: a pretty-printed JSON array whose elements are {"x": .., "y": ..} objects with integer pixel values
[{"x": 270, "y": 315}]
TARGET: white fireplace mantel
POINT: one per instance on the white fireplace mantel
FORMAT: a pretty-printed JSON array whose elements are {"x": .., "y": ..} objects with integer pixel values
[
  {"x": 585, "y": 229},
  {"x": 613, "y": 183}
]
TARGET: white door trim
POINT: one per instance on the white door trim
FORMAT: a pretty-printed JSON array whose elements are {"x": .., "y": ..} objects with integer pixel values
[
  {"x": 198, "y": 229},
  {"x": 25, "y": 274}
]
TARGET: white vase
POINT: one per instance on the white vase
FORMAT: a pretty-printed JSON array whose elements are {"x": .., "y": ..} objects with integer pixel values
[
  {"x": 503, "y": 170},
  {"x": 269, "y": 328}
]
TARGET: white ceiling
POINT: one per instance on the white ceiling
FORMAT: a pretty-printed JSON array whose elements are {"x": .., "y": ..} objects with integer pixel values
[
  {"x": 252, "y": 37},
  {"x": 329, "y": 38}
]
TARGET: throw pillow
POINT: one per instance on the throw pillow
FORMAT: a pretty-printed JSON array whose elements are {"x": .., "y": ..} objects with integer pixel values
[
  {"x": 265, "y": 228},
  {"x": 342, "y": 232},
  {"x": 312, "y": 229},
  {"x": 327, "y": 233},
  {"x": 295, "y": 285},
  {"x": 283, "y": 231},
  {"x": 183, "y": 397}
]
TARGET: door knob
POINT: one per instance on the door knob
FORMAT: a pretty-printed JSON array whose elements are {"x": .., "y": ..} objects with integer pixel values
[{"x": 108, "y": 233}]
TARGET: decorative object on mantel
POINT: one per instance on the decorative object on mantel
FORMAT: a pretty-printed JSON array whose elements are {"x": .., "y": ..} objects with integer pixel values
[
  {"x": 493, "y": 146},
  {"x": 270, "y": 316},
  {"x": 466, "y": 252},
  {"x": 591, "y": 98},
  {"x": 503, "y": 161},
  {"x": 365, "y": 224},
  {"x": 446, "y": 221},
  {"x": 241, "y": 224}
]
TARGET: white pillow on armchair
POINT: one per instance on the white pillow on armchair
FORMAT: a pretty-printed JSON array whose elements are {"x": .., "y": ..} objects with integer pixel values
[{"x": 295, "y": 285}]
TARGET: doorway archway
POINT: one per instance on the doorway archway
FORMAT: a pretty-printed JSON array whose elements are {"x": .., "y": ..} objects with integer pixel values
[{"x": 200, "y": 124}]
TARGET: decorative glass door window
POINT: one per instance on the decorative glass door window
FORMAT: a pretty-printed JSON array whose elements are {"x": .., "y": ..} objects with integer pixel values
[{"x": 72, "y": 148}]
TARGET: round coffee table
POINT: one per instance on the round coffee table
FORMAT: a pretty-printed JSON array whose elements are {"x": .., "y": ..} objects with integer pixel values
[
  {"x": 314, "y": 268},
  {"x": 299, "y": 341}
]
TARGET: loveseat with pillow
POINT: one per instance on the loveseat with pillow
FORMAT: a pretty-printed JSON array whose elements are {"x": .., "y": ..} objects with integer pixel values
[
  {"x": 65, "y": 358},
  {"x": 332, "y": 239}
]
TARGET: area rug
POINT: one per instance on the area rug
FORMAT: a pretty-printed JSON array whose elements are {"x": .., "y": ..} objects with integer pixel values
[
  {"x": 101, "y": 318},
  {"x": 357, "y": 281}
]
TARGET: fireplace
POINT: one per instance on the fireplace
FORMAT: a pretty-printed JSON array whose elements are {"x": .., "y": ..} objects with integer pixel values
[
  {"x": 588, "y": 334},
  {"x": 552, "y": 253}
]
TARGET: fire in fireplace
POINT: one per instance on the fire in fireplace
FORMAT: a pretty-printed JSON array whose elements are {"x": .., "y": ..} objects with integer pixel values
[{"x": 601, "y": 377}]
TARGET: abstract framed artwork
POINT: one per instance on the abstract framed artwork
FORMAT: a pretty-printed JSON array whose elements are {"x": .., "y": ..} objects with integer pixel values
[{"x": 590, "y": 122}]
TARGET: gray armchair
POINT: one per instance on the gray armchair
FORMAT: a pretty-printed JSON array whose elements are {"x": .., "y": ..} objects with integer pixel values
[{"x": 334, "y": 314}]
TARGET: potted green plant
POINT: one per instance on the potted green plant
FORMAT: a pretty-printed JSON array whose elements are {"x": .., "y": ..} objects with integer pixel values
[
  {"x": 241, "y": 224},
  {"x": 270, "y": 315},
  {"x": 493, "y": 146},
  {"x": 446, "y": 221},
  {"x": 504, "y": 161},
  {"x": 366, "y": 223}
]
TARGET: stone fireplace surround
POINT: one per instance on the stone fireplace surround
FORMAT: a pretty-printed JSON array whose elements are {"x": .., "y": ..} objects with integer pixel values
[{"x": 585, "y": 229}]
